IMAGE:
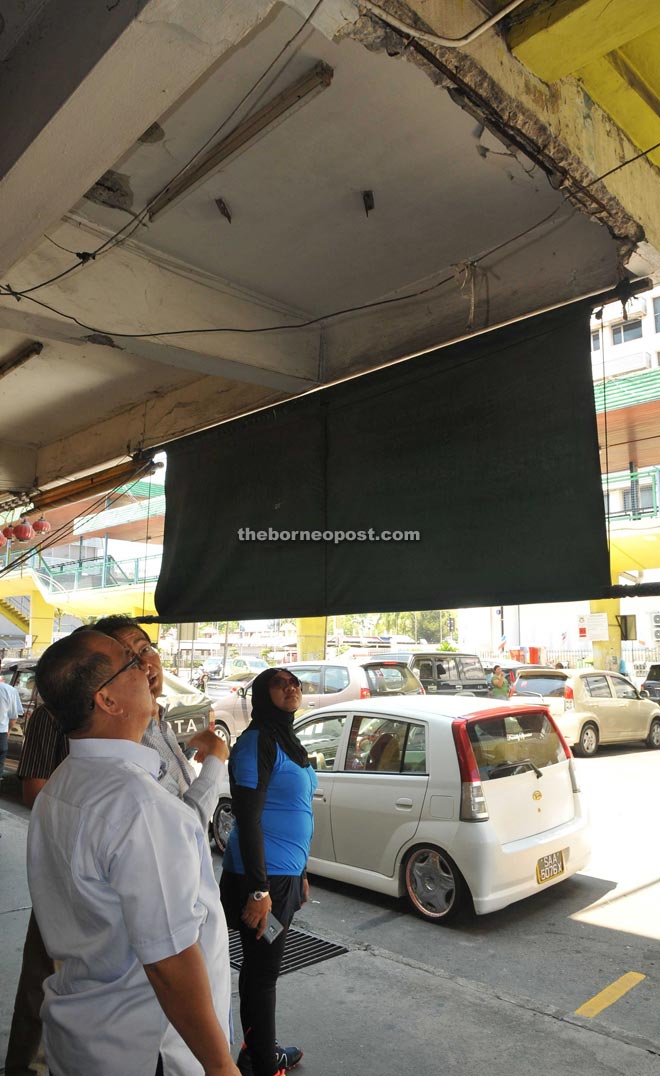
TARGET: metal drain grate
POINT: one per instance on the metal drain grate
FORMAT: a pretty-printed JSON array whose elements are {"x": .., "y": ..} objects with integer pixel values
[{"x": 301, "y": 950}]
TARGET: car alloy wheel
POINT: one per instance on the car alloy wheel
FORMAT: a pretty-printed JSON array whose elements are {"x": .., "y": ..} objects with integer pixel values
[
  {"x": 434, "y": 885},
  {"x": 588, "y": 741},
  {"x": 653, "y": 738},
  {"x": 222, "y": 823}
]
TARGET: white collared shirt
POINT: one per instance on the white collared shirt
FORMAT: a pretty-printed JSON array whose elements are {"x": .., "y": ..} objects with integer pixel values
[
  {"x": 120, "y": 875},
  {"x": 11, "y": 706}
]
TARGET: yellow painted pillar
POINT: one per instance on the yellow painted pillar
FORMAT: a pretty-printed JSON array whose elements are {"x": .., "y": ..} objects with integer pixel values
[
  {"x": 312, "y": 631},
  {"x": 607, "y": 654},
  {"x": 42, "y": 618}
]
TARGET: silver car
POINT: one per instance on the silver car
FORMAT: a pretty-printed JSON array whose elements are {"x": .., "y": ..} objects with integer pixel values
[{"x": 592, "y": 706}]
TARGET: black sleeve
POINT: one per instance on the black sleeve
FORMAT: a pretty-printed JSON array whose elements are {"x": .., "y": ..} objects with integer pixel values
[{"x": 247, "y": 807}]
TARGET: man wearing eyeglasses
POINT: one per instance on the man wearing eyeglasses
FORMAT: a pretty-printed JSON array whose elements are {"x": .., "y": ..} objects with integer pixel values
[
  {"x": 44, "y": 749},
  {"x": 143, "y": 982}
]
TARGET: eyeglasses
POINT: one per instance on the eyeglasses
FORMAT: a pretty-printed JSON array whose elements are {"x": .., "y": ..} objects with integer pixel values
[
  {"x": 134, "y": 663},
  {"x": 280, "y": 681}
]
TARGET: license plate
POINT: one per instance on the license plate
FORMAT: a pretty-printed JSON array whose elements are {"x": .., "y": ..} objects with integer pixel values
[{"x": 549, "y": 867}]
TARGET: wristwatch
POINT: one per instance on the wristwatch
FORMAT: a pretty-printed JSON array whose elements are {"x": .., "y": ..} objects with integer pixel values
[{"x": 259, "y": 894}]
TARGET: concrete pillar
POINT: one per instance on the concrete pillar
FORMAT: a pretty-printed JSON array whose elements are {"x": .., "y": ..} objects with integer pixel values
[
  {"x": 312, "y": 632},
  {"x": 607, "y": 654},
  {"x": 42, "y": 618}
]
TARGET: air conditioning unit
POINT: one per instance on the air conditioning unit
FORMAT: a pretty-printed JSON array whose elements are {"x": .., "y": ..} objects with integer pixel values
[{"x": 655, "y": 621}]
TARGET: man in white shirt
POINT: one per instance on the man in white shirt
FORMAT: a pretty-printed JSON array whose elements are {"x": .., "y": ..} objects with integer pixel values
[
  {"x": 11, "y": 709},
  {"x": 122, "y": 886}
]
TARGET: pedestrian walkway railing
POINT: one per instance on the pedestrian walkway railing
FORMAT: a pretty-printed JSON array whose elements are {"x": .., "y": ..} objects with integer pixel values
[{"x": 89, "y": 573}]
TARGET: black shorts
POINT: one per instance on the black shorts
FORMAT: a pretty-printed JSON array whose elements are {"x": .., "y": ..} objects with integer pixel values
[{"x": 286, "y": 893}]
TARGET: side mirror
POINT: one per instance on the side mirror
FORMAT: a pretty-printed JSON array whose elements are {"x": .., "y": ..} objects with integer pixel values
[{"x": 644, "y": 694}]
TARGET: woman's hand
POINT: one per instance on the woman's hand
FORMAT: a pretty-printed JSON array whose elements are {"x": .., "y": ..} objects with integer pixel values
[{"x": 255, "y": 914}]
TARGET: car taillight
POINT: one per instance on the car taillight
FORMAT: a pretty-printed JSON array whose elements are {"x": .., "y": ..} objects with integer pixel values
[
  {"x": 212, "y": 720},
  {"x": 569, "y": 698},
  {"x": 365, "y": 693},
  {"x": 473, "y": 801}
]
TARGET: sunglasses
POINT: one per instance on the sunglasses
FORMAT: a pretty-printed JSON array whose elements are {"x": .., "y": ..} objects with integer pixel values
[
  {"x": 134, "y": 663},
  {"x": 284, "y": 683}
]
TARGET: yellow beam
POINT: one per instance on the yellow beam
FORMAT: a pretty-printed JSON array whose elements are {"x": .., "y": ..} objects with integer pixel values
[
  {"x": 626, "y": 84},
  {"x": 558, "y": 40}
]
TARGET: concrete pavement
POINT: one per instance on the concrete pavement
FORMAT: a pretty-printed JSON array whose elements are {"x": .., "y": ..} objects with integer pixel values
[{"x": 370, "y": 1013}]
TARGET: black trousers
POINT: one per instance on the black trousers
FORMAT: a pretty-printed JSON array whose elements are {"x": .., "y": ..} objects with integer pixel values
[
  {"x": 257, "y": 982},
  {"x": 24, "y": 1052},
  {"x": 261, "y": 965}
]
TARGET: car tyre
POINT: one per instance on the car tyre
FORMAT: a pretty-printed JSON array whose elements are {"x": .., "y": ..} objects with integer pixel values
[
  {"x": 222, "y": 731},
  {"x": 222, "y": 823},
  {"x": 587, "y": 745},
  {"x": 653, "y": 738},
  {"x": 435, "y": 887}
]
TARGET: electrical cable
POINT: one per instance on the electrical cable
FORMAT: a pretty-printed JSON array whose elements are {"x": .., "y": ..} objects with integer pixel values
[
  {"x": 54, "y": 536},
  {"x": 84, "y": 257},
  {"x": 296, "y": 325},
  {"x": 437, "y": 39}
]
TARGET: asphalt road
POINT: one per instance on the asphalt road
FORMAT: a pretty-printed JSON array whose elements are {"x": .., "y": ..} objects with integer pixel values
[{"x": 558, "y": 949}]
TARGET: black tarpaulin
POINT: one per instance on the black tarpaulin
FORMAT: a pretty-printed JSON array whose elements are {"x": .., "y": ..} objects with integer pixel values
[{"x": 487, "y": 448}]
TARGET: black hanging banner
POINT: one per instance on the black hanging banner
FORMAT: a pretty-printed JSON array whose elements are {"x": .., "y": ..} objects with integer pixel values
[{"x": 466, "y": 476}]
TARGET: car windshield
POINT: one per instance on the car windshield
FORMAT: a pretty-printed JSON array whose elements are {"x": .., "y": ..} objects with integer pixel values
[
  {"x": 514, "y": 744},
  {"x": 549, "y": 686}
]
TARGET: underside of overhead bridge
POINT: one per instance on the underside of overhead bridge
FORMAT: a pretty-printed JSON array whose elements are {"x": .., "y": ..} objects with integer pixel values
[{"x": 209, "y": 208}]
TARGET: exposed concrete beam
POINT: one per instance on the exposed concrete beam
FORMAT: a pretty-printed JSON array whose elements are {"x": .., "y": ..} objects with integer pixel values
[
  {"x": 122, "y": 68},
  {"x": 151, "y": 422}
]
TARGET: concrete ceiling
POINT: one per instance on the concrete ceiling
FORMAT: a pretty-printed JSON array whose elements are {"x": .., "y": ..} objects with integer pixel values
[{"x": 466, "y": 230}]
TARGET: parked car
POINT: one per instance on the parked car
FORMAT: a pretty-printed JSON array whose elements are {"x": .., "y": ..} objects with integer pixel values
[
  {"x": 187, "y": 709},
  {"x": 593, "y": 706},
  {"x": 217, "y": 668},
  {"x": 452, "y": 802},
  {"x": 445, "y": 672},
  {"x": 651, "y": 682},
  {"x": 322, "y": 681}
]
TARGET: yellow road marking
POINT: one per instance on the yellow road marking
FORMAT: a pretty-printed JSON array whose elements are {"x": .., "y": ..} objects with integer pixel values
[{"x": 610, "y": 994}]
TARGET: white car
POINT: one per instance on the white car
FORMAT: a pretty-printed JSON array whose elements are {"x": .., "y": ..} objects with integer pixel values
[{"x": 450, "y": 801}]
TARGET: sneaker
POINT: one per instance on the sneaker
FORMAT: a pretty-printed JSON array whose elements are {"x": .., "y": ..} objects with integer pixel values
[{"x": 286, "y": 1057}]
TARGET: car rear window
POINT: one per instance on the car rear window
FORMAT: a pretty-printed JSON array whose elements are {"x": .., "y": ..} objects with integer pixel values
[
  {"x": 549, "y": 685},
  {"x": 472, "y": 667},
  {"x": 516, "y": 743},
  {"x": 653, "y": 673},
  {"x": 391, "y": 679}
]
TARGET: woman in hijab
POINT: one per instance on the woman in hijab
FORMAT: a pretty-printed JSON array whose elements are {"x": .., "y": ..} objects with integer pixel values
[{"x": 272, "y": 784}]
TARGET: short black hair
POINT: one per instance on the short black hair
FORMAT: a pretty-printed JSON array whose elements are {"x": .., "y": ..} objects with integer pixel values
[
  {"x": 110, "y": 625},
  {"x": 68, "y": 675}
]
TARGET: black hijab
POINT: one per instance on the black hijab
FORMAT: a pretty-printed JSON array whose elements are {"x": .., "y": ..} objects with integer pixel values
[{"x": 273, "y": 722}]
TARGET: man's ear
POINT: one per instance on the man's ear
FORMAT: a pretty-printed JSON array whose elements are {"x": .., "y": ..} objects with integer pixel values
[{"x": 107, "y": 704}]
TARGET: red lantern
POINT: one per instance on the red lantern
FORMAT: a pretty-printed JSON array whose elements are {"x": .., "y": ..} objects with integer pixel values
[
  {"x": 8, "y": 532},
  {"x": 23, "y": 531},
  {"x": 41, "y": 526}
]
